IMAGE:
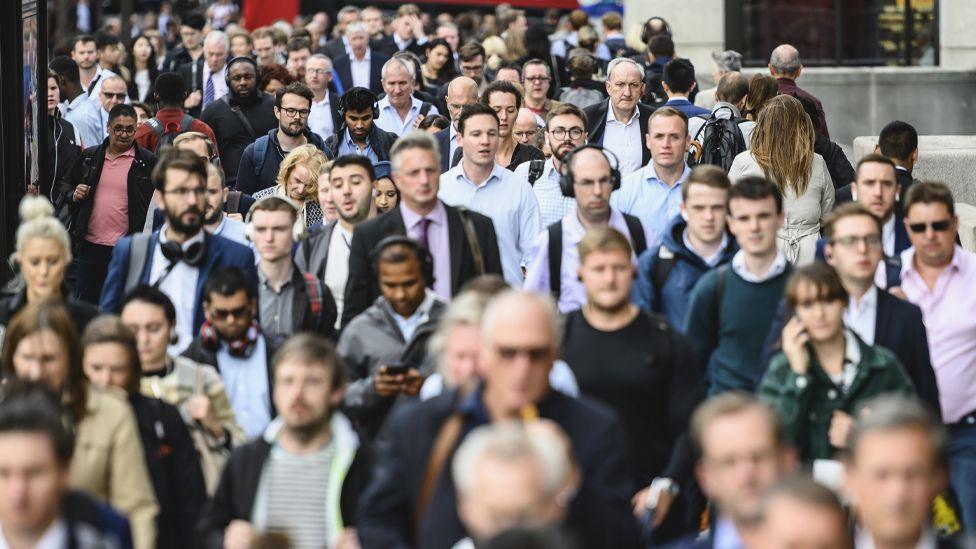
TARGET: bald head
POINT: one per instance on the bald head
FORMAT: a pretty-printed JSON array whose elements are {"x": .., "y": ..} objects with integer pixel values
[
  {"x": 513, "y": 308},
  {"x": 785, "y": 62},
  {"x": 460, "y": 92},
  {"x": 525, "y": 126}
]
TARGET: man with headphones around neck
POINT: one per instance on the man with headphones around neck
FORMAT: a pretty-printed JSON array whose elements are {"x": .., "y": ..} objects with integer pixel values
[
  {"x": 358, "y": 133},
  {"x": 589, "y": 175},
  {"x": 180, "y": 256},
  {"x": 382, "y": 348},
  {"x": 241, "y": 116},
  {"x": 291, "y": 300}
]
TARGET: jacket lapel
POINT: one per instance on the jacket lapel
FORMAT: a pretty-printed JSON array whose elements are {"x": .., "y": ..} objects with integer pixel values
[
  {"x": 455, "y": 237},
  {"x": 598, "y": 124},
  {"x": 902, "y": 242},
  {"x": 882, "y": 321},
  {"x": 213, "y": 256}
]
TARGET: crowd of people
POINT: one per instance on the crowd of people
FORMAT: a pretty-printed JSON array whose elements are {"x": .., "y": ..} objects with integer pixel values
[{"x": 372, "y": 279}]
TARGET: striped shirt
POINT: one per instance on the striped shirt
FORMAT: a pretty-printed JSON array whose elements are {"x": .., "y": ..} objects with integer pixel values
[{"x": 296, "y": 489}]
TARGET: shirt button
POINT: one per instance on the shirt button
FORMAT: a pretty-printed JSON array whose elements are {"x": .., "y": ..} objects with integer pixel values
[
  {"x": 832, "y": 394},
  {"x": 801, "y": 382}
]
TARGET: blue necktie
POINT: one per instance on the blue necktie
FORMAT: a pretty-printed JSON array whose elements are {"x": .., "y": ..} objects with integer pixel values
[{"x": 208, "y": 92}]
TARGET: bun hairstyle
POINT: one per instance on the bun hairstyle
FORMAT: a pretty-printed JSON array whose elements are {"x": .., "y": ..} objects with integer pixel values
[{"x": 37, "y": 221}]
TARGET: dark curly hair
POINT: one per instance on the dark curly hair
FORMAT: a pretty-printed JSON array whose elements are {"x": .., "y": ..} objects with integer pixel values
[{"x": 267, "y": 73}]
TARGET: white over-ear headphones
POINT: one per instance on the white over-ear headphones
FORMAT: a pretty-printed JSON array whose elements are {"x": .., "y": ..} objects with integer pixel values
[{"x": 297, "y": 229}]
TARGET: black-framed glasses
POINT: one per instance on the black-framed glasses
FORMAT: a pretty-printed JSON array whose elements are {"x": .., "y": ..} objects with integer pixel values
[
  {"x": 224, "y": 314},
  {"x": 123, "y": 130},
  {"x": 871, "y": 241},
  {"x": 937, "y": 226},
  {"x": 292, "y": 113},
  {"x": 561, "y": 133},
  {"x": 184, "y": 192}
]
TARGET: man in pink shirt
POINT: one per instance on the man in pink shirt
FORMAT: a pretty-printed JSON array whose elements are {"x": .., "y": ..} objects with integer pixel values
[
  {"x": 938, "y": 276},
  {"x": 110, "y": 198}
]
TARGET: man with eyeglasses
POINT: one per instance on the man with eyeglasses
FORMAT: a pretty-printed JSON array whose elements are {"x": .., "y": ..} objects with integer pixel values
[
  {"x": 324, "y": 118},
  {"x": 526, "y": 128},
  {"x": 565, "y": 130},
  {"x": 260, "y": 162},
  {"x": 620, "y": 123},
  {"x": 179, "y": 257},
  {"x": 110, "y": 198},
  {"x": 536, "y": 79},
  {"x": 92, "y": 118},
  {"x": 937, "y": 275},
  {"x": 555, "y": 259}
]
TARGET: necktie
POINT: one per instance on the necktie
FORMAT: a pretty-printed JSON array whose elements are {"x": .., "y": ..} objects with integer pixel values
[{"x": 208, "y": 92}]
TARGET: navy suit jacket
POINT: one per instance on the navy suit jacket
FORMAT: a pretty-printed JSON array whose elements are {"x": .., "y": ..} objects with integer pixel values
[
  {"x": 596, "y": 124},
  {"x": 221, "y": 252},
  {"x": 343, "y": 70},
  {"x": 443, "y": 139}
]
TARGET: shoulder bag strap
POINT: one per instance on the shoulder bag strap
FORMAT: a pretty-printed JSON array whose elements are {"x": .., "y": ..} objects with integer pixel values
[
  {"x": 555, "y": 259},
  {"x": 240, "y": 116},
  {"x": 447, "y": 438}
]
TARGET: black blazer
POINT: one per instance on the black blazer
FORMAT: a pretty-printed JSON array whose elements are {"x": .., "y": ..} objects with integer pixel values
[
  {"x": 443, "y": 139},
  {"x": 596, "y": 123},
  {"x": 388, "y": 46},
  {"x": 362, "y": 287},
  {"x": 334, "y": 48},
  {"x": 193, "y": 84},
  {"x": 343, "y": 70}
]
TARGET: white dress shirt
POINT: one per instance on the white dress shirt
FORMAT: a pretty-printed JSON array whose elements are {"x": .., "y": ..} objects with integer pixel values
[
  {"x": 864, "y": 540},
  {"x": 337, "y": 267},
  {"x": 320, "y": 119},
  {"x": 219, "y": 82},
  {"x": 390, "y": 120},
  {"x": 862, "y": 316},
  {"x": 181, "y": 287},
  {"x": 359, "y": 70},
  {"x": 625, "y": 140}
]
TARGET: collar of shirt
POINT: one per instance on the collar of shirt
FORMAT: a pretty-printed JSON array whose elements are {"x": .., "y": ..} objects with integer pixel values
[
  {"x": 679, "y": 99},
  {"x": 219, "y": 75},
  {"x": 411, "y": 218},
  {"x": 650, "y": 175},
  {"x": 852, "y": 350},
  {"x": 725, "y": 535},
  {"x": 77, "y": 102},
  {"x": 549, "y": 169},
  {"x": 55, "y": 537},
  {"x": 385, "y": 104},
  {"x": 263, "y": 279},
  {"x": 324, "y": 102},
  {"x": 195, "y": 238},
  {"x": 711, "y": 260},
  {"x": 365, "y": 59},
  {"x": 868, "y": 301},
  {"x": 908, "y": 262},
  {"x": 130, "y": 152},
  {"x": 573, "y": 230},
  {"x": 497, "y": 174},
  {"x": 776, "y": 269},
  {"x": 408, "y": 325},
  {"x": 611, "y": 117}
]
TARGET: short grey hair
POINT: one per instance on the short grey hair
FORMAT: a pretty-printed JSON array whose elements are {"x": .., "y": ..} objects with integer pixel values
[
  {"x": 405, "y": 63},
  {"x": 616, "y": 62},
  {"x": 894, "y": 413},
  {"x": 785, "y": 59},
  {"x": 510, "y": 442},
  {"x": 346, "y": 10},
  {"x": 465, "y": 310},
  {"x": 503, "y": 302},
  {"x": 322, "y": 57},
  {"x": 727, "y": 61},
  {"x": 414, "y": 139},
  {"x": 217, "y": 37},
  {"x": 356, "y": 26}
]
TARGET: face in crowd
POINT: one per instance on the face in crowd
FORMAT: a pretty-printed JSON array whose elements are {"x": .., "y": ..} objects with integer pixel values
[
  {"x": 704, "y": 211},
  {"x": 480, "y": 140},
  {"x": 182, "y": 198},
  {"x": 385, "y": 195},
  {"x": 230, "y": 315},
  {"x": 352, "y": 192},
  {"x": 292, "y": 114},
  {"x": 324, "y": 194},
  {"x": 417, "y": 175}
]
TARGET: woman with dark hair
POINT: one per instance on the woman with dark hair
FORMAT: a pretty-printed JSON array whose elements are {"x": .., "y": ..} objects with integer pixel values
[
  {"x": 273, "y": 77},
  {"x": 41, "y": 344},
  {"x": 439, "y": 68},
  {"x": 143, "y": 70},
  {"x": 111, "y": 359},
  {"x": 434, "y": 123},
  {"x": 762, "y": 88}
]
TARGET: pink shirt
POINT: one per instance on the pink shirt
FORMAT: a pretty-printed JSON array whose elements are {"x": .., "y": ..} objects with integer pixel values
[
  {"x": 109, "y": 219},
  {"x": 951, "y": 328}
]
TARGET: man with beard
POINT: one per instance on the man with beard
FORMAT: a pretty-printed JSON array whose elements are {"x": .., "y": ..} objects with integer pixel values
[
  {"x": 307, "y": 470},
  {"x": 358, "y": 133},
  {"x": 653, "y": 379},
  {"x": 241, "y": 116},
  {"x": 259, "y": 165},
  {"x": 555, "y": 259},
  {"x": 215, "y": 219},
  {"x": 565, "y": 130},
  {"x": 179, "y": 257},
  {"x": 110, "y": 198},
  {"x": 291, "y": 300},
  {"x": 325, "y": 253}
]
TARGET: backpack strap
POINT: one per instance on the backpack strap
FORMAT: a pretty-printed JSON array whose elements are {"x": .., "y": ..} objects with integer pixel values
[
  {"x": 555, "y": 259},
  {"x": 662, "y": 270},
  {"x": 260, "y": 151},
  {"x": 314, "y": 290},
  {"x": 156, "y": 126},
  {"x": 185, "y": 123},
  {"x": 233, "y": 202},
  {"x": 535, "y": 170},
  {"x": 637, "y": 238},
  {"x": 892, "y": 271},
  {"x": 138, "y": 254}
]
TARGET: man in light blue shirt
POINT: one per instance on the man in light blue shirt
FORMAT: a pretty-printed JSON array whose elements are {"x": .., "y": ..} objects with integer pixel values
[
  {"x": 92, "y": 126},
  {"x": 480, "y": 184},
  {"x": 400, "y": 111},
  {"x": 653, "y": 193}
]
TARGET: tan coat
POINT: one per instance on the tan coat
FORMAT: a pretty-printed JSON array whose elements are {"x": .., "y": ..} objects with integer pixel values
[{"x": 109, "y": 462}]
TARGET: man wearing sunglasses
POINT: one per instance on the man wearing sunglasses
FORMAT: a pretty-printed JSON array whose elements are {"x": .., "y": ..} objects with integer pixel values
[
  {"x": 92, "y": 122},
  {"x": 108, "y": 197},
  {"x": 937, "y": 275}
]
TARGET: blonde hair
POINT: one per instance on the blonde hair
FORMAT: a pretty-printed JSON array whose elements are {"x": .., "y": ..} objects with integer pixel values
[
  {"x": 782, "y": 144},
  {"x": 37, "y": 221},
  {"x": 496, "y": 51},
  {"x": 308, "y": 156}
]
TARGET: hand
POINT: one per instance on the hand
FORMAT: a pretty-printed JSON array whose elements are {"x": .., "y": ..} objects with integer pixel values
[
  {"x": 795, "y": 338},
  {"x": 193, "y": 99},
  {"x": 81, "y": 191},
  {"x": 239, "y": 534},
  {"x": 418, "y": 27},
  {"x": 200, "y": 410},
  {"x": 639, "y": 501},
  {"x": 413, "y": 382},
  {"x": 348, "y": 539},
  {"x": 840, "y": 428},
  {"x": 387, "y": 384}
]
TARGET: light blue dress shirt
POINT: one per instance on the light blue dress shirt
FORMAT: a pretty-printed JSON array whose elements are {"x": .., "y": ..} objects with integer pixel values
[
  {"x": 510, "y": 203},
  {"x": 91, "y": 123},
  {"x": 651, "y": 200},
  {"x": 246, "y": 381},
  {"x": 390, "y": 121},
  {"x": 348, "y": 146}
]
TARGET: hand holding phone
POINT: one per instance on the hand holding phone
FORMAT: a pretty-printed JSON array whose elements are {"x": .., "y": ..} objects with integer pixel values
[{"x": 795, "y": 338}]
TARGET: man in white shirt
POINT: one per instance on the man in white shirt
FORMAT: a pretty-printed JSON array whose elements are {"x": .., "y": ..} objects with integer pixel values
[
  {"x": 480, "y": 184},
  {"x": 620, "y": 123},
  {"x": 876, "y": 187},
  {"x": 360, "y": 56},
  {"x": 318, "y": 76},
  {"x": 400, "y": 111},
  {"x": 91, "y": 118},
  {"x": 85, "y": 54}
]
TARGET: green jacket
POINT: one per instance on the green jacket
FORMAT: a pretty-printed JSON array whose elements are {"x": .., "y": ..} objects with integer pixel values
[{"x": 806, "y": 403}]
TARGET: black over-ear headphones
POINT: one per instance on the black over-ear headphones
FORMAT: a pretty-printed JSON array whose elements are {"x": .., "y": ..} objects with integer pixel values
[
  {"x": 426, "y": 260},
  {"x": 245, "y": 59},
  {"x": 566, "y": 178},
  {"x": 646, "y": 29},
  {"x": 342, "y": 102},
  {"x": 193, "y": 256}
]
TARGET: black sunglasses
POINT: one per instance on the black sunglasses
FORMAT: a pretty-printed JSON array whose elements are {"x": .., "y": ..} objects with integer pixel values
[{"x": 937, "y": 226}]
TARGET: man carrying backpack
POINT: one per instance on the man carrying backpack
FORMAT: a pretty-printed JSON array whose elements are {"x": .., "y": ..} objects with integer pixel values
[
  {"x": 170, "y": 120},
  {"x": 724, "y": 133}
]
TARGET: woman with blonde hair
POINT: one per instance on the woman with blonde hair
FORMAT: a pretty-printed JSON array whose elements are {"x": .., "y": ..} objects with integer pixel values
[
  {"x": 298, "y": 182},
  {"x": 43, "y": 253},
  {"x": 496, "y": 52},
  {"x": 781, "y": 150}
]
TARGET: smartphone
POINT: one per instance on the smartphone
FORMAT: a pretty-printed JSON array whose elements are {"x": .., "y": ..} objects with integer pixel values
[{"x": 396, "y": 368}]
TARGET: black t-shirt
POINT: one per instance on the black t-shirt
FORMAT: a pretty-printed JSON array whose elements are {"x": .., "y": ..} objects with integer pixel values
[
  {"x": 232, "y": 135},
  {"x": 648, "y": 373}
]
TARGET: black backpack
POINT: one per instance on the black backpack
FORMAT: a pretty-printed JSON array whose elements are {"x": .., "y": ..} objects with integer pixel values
[
  {"x": 721, "y": 139},
  {"x": 164, "y": 137}
]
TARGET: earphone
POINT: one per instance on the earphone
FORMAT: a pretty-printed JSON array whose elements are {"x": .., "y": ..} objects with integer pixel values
[
  {"x": 342, "y": 103},
  {"x": 566, "y": 179},
  {"x": 297, "y": 228},
  {"x": 426, "y": 260},
  {"x": 241, "y": 58},
  {"x": 646, "y": 29}
]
